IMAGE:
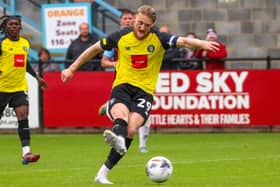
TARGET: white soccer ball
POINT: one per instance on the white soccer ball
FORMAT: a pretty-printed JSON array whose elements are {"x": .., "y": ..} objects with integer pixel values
[{"x": 159, "y": 169}]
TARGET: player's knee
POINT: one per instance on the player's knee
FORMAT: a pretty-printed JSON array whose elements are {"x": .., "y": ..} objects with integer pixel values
[
  {"x": 21, "y": 117},
  {"x": 118, "y": 115},
  {"x": 119, "y": 111},
  {"x": 21, "y": 112}
]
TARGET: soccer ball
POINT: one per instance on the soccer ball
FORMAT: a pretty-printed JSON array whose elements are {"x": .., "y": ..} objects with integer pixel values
[{"x": 159, "y": 169}]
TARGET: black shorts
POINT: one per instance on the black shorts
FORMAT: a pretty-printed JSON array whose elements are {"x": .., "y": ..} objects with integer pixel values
[
  {"x": 14, "y": 100},
  {"x": 133, "y": 97}
]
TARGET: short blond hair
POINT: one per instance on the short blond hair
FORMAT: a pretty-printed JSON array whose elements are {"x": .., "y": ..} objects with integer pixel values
[{"x": 148, "y": 11}]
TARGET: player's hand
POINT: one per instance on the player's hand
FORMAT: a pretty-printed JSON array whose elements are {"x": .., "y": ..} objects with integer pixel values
[
  {"x": 66, "y": 75},
  {"x": 210, "y": 45},
  {"x": 42, "y": 83}
]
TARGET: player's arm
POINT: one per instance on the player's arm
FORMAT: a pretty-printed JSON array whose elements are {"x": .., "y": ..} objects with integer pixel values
[
  {"x": 185, "y": 42},
  {"x": 107, "y": 62},
  {"x": 88, "y": 54},
  {"x": 42, "y": 83}
]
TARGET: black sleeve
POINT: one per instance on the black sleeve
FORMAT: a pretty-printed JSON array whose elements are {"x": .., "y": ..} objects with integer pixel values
[
  {"x": 107, "y": 43},
  {"x": 111, "y": 41},
  {"x": 167, "y": 40},
  {"x": 30, "y": 70}
]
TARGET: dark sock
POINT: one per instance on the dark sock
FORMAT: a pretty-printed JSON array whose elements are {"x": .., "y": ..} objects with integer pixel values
[
  {"x": 114, "y": 157},
  {"x": 24, "y": 132},
  {"x": 120, "y": 127}
]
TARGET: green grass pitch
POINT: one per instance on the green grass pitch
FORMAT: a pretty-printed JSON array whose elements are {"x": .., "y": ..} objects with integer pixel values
[{"x": 199, "y": 160}]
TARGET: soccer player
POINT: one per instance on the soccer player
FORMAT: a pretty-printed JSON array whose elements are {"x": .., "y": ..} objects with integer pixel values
[
  {"x": 13, "y": 83},
  {"x": 109, "y": 60},
  {"x": 140, "y": 52}
]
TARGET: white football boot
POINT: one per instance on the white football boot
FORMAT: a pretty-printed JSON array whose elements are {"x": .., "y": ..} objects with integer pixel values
[
  {"x": 102, "y": 180},
  {"x": 115, "y": 141}
]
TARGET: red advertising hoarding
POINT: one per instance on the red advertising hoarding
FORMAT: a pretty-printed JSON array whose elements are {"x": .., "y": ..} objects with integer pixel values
[
  {"x": 76, "y": 103},
  {"x": 185, "y": 98}
]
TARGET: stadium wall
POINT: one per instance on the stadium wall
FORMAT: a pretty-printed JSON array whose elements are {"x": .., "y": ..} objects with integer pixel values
[{"x": 249, "y": 28}]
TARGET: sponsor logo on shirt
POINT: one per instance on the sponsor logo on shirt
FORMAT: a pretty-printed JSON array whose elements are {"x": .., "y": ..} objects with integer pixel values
[
  {"x": 19, "y": 60},
  {"x": 139, "y": 61}
]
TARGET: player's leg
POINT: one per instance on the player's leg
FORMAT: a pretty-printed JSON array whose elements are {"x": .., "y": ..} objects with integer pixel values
[
  {"x": 117, "y": 139},
  {"x": 143, "y": 136},
  {"x": 20, "y": 104},
  {"x": 118, "y": 110},
  {"x": 125, "y": 126},
  {"x": 142, "y": 106},
  {"x": 113, "y": 158},
  {"x": 116, "y": 136}
]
